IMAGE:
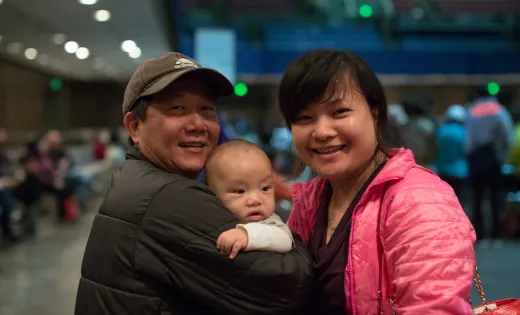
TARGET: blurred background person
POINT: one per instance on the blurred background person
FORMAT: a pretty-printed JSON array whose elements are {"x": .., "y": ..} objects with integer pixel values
[
  {"x": 418, "y": 133},
  {"x": 6, "y": 194},
  {"x": 450, "y": 162},
  {"x": 490, "y": 135},
  {"x": 60, "y": 184},
  {"x": 36, "y": 170},
  {"x": 514, "y": 153},
  {"x": 397, "y": 119}
]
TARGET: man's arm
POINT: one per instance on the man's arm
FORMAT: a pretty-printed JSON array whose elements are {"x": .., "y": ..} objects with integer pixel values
[
  {"x": 269, "y": 235},
  {"x": 176, "y": 253}
]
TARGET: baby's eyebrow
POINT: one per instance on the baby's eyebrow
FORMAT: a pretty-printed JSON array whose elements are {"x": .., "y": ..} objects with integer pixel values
[{"x": 268, "y": 177}]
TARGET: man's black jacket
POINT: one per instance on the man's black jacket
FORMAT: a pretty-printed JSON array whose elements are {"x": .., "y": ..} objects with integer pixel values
[{"x": 152, "y": 250}]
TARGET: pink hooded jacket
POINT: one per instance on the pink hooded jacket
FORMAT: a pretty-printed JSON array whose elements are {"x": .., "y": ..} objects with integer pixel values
[{"x": 427, "y": 242}]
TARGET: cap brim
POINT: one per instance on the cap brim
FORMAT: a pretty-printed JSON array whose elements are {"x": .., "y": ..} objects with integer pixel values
[{"x": 218, "y": 83}]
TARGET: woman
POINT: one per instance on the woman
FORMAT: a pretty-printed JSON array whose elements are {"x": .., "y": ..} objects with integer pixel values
[{"x": 372, "y": 218}]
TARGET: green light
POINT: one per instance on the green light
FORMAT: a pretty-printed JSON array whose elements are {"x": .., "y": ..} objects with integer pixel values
[
  {"x": 493, "y": 88},
  {"x": 365, "y": 11},
  {"x": 240, "y": 89},
  {"x": 56, "y": 84}
]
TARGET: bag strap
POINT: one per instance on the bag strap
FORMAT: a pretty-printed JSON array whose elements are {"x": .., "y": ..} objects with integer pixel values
[{"x": 480, "y": 288}]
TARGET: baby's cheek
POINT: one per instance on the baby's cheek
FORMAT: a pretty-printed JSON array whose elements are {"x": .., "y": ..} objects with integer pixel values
[
  {"x": 236, "y": 208},
  {"x": 270, "y": 206}
]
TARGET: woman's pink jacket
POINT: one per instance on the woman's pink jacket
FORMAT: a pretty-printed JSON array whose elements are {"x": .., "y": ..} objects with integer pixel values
[{"x": 410, "y": 225}]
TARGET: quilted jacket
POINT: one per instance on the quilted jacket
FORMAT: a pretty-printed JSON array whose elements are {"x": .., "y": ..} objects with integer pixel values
[
  {"x": 410, "y": 239},
  {"x": 152, "y": 251}
]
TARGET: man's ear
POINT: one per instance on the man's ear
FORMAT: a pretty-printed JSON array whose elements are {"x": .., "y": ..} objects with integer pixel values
[{"x": 132, "y": 126}]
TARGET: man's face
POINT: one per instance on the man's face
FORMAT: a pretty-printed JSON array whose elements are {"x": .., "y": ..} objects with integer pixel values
[{"x": 181, "y": 128}]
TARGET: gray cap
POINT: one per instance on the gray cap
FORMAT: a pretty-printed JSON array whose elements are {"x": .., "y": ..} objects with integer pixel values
[{"x": 153, "y": 75}]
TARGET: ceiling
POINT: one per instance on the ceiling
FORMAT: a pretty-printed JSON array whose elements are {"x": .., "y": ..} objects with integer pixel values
[{"x": 33, "y": 23}]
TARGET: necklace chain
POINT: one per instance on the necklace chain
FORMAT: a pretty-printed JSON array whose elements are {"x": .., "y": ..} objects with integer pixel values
[{"x": 333, "y": 227}]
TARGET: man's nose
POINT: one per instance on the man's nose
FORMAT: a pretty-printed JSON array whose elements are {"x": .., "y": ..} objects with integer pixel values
[{"x": 195, "y": 124}]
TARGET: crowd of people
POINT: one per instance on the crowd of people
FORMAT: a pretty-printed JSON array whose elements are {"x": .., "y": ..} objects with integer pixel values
[
  {"x": 46, "y": 167},
  {"x": 470, "y": 146}
]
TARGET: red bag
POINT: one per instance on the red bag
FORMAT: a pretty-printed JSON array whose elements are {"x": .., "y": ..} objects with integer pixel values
[
  {"x": 509, "y": 306},
  {"x": 71, "y": 209}
]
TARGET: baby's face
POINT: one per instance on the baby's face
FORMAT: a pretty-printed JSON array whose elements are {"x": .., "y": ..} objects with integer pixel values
[{"x": 245, "y": 185}]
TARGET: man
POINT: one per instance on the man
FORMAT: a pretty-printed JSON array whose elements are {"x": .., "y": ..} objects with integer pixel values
[
  {"x": 152, "y": 248},
  {"x": 490, "y": 134}
]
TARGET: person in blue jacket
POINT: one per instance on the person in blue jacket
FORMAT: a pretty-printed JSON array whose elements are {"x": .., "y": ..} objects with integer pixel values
[{"x": 450, "y": 161}]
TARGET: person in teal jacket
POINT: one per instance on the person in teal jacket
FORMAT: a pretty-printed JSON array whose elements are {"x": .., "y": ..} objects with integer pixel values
[{"x": 450, "y": 161}]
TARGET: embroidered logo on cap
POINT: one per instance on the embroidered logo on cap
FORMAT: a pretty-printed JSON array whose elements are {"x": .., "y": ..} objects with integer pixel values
[{"x": 183, "y": 63}]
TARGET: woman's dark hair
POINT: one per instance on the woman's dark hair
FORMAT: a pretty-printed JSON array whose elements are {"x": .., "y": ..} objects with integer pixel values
[{"x": 324, "y": 75}]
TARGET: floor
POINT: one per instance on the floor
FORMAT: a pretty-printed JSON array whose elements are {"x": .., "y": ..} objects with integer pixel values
[{"x": 41, "y": 277}]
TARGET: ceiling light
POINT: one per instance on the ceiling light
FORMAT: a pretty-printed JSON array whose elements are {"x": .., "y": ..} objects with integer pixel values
[
  {"x": 128, "y": 46},
  {"x": 82, "y": 53},
  {"x": 1, "y": 1},
  {"x": 71, "y": 47},
  {"x": 86, "y": 2},
  {"x": 136, "y": 53},
  {"x": 102, "y": 15},
  {"x": 59, "y": 39},
  {"x": 31, "y": 53}
]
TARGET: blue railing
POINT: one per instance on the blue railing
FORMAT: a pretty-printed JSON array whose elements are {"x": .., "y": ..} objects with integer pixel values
[{"x": 431, "y": 54}]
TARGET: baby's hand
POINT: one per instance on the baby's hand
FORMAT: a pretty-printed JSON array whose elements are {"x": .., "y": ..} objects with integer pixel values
[{"x": 232, "y": 241}]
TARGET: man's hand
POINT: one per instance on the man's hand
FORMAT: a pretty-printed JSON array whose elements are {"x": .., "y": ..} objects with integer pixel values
[{"x": 232, "y": 241}]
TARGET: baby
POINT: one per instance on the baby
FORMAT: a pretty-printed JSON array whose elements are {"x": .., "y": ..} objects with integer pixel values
[{"x": 240, "y": 174}]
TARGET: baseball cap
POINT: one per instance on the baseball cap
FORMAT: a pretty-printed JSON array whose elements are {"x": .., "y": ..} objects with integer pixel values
[
  {"x": 456, "y": 112},
  {"x": 153, "y": 75}
]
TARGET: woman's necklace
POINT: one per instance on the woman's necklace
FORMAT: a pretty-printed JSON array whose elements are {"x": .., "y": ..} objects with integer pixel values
[{"x": 334, "y": 225}]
